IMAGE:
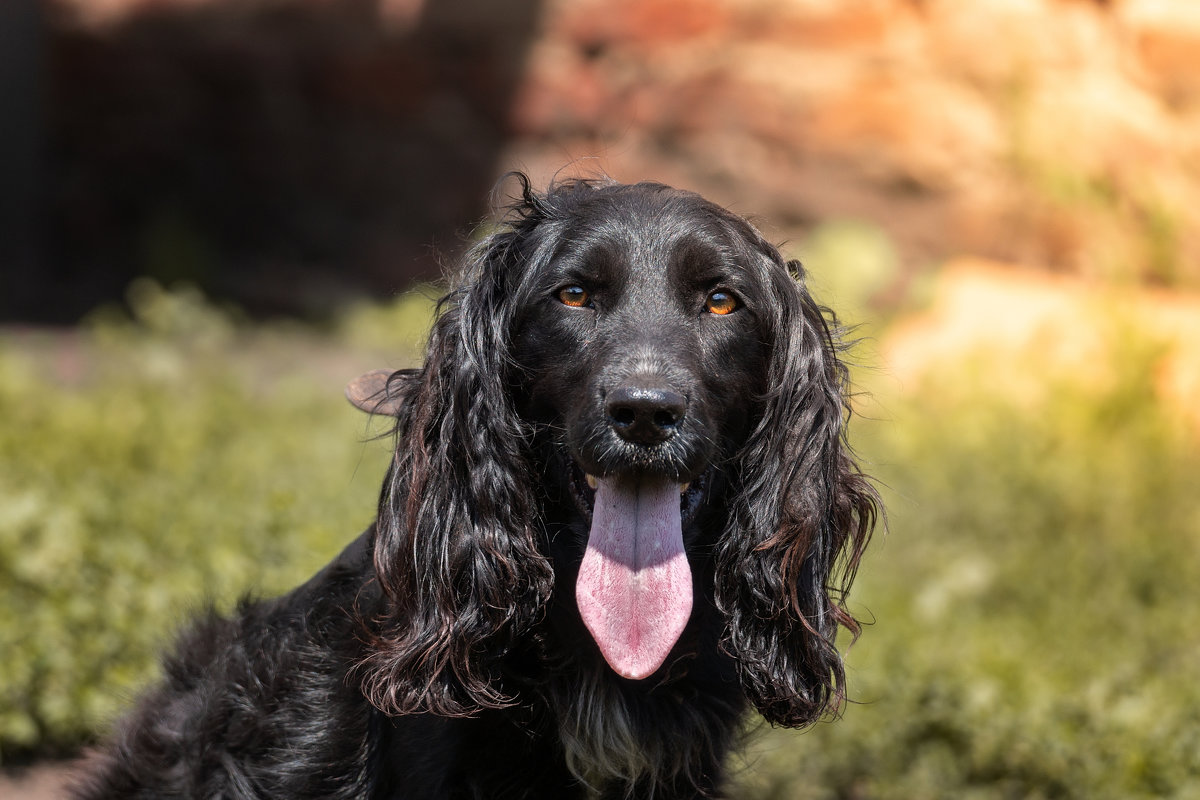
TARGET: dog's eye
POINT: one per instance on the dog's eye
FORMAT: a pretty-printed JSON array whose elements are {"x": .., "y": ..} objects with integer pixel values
[
  {"x": 574, "y": 296},
  {"x": 721, "y": 302}
]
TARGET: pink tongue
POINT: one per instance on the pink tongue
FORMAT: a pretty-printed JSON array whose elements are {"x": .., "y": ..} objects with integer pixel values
[{"x": 634, "y": 589}]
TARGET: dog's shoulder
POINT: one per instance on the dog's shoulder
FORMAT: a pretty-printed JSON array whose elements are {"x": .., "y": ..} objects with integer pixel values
[
  {"x": 345, "y": 583},
  {"x": 255, "y": 699}
]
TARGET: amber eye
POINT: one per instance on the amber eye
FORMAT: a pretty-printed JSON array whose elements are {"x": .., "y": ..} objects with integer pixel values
[
  {"x": 574, "y": 296},
  {"x": 721, "y": 302}
]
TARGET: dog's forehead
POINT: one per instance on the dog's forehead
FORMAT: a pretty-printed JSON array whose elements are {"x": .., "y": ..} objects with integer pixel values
[
  {"x": 651, "y": 208},
  {"x": 650, "y": 228}
]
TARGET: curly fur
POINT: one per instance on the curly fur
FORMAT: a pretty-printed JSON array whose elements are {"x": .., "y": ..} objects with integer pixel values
[{"x": 442, "y": 654}]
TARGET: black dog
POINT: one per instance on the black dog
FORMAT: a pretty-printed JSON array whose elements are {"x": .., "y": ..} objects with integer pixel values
[{"x": 620, "y": 513}]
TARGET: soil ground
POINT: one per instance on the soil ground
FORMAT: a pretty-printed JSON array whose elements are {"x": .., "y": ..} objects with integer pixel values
[{"x": 42, "y": 781}]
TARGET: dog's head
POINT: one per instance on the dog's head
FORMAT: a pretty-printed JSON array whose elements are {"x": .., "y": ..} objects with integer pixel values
[{"x": 639, "y": 367}]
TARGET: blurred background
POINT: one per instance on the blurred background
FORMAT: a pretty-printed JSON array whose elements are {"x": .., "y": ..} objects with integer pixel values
[{"x": 213, "y": 213}]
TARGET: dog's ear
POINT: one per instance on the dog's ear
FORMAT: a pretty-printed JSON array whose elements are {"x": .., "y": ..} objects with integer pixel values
[
  {"x": 800, "y": 520},
  {"x": 455, "y": 549},
  {"x": 376, "y": 393}
]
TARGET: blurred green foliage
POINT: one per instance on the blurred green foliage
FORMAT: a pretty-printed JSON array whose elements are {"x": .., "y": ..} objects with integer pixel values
[
  {"x": 858, "y": 265},
  {"x": 155, "y": 462},
  {"x": 1036, "y": 602},
  {"x": 1036, "y": 598}
]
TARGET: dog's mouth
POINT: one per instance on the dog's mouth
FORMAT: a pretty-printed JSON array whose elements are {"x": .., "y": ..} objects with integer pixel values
[
  {"x": 634, "y": 589},
  {"x": 584, "y": 484}
]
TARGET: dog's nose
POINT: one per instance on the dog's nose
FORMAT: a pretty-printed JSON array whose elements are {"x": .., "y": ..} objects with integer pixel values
[{"x": 645, "y": 415}]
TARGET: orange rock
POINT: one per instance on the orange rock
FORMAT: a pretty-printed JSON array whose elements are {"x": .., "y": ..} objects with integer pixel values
[{"x": 1019, "y": 327}]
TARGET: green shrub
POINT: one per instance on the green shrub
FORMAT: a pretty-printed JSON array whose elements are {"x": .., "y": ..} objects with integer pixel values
[
  {"x": 148, "y": 466},
  {"x": 1036, "y": 600}
]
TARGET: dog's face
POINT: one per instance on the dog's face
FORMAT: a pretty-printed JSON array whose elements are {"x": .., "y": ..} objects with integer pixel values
[
  {"x": 641, "y": 339},
  {"x": 633, "y": 377},
  {"x": 642, "y": 353}
]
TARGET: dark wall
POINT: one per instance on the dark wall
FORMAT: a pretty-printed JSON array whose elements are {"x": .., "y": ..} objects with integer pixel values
[
  {"x": 285, "y": 155},
  {"x": 21, "y": 185}
]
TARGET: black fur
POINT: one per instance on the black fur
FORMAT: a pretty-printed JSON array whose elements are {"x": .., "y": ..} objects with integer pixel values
[{"x": 442, "y": 654}]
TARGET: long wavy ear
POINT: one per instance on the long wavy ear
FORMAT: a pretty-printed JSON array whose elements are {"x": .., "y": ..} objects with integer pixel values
[
  {"x": 455, "y": 548},
  {"x": 801, "y": 518}
]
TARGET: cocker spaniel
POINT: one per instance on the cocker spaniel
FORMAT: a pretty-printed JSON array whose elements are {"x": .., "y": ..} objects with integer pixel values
[{"x": 621, "y": 513}]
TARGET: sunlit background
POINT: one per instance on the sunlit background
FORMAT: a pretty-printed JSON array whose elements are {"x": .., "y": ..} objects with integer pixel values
[{"x": 213, "y": 213}]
